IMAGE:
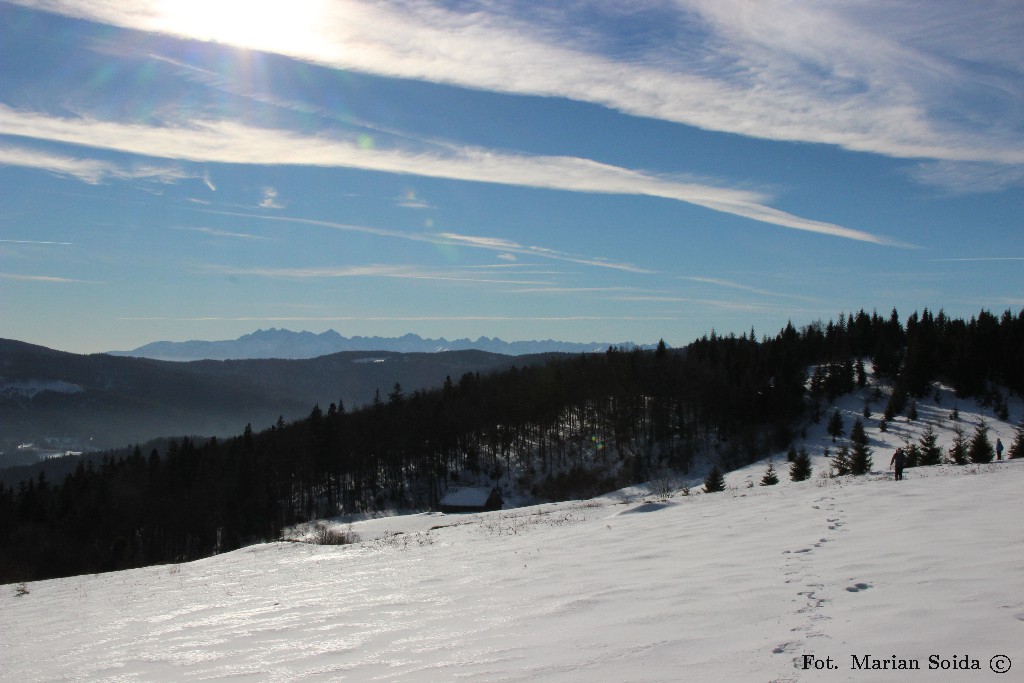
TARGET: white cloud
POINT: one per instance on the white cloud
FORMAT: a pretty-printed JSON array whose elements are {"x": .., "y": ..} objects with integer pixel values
[
  {"x": 968, "y": 177},
  {"x": 215, "y": 232},
  {"x": 92, "y": 171},
  {"x": 727, "y": 284},
  {"x": 269, "y": 200},
  {"x": 507, "y": 248},
  {"x": 939, "y": 79},
  {"x": 45, "y": 278},
  {"x": 717, "y": 304},
  {"x": 979, "y": 258},
  {"x": 230, "y": 142},
  {"x": 405, "y": 272},
  {"x": 43, "y": 242},
  {"x": 86, "y": 170},
  {"x": 410, "y": 200}
]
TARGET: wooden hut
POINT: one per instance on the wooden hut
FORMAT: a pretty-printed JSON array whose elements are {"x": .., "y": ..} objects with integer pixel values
[{"x": 471, "y": 499}]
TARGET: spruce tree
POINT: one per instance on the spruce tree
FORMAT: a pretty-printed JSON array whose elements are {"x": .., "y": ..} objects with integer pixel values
[
  {"x": 929, "y": 452},
  {"x": 841, "y": 461},
  {"x": 911, "y": 455},
  {"x": 835, "y": 425},
  {"x": 981, "y": 448},
  {"x": 770, "y": 478},
  {"x": 860, "y": 454},
  {"x": 958, "y": 451},
  {"x": 801, "y": 467},
  {"x": 1017, "y": 447},
  {"x": 714, "y": 481},
  {"x": 897, "y": 402}
]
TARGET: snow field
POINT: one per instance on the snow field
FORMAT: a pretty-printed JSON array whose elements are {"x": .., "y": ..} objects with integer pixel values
[{"x": 731, "y": 586}]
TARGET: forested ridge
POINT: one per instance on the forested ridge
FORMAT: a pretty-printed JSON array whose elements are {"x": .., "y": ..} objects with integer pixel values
[
  {"x": 115, "y": 400},
  {"x": 572, "y": 427}
]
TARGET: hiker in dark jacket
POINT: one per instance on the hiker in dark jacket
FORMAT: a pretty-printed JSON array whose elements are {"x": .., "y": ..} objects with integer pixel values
[{"x": 899, "y": 458}]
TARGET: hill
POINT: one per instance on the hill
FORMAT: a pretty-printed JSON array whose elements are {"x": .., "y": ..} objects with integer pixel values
[
  {"x": 275, "y": 343},
  {"x": 574, "y": 427},
  {"x": 69, "y": 401}
]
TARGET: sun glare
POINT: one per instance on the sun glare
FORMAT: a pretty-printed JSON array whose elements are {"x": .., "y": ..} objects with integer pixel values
[{"x": 269, "y": 25}]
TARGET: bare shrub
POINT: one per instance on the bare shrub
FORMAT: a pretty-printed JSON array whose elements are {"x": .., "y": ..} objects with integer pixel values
[
  {"x": 325, "y": 535},
  {"x": 663, "y": 485}
]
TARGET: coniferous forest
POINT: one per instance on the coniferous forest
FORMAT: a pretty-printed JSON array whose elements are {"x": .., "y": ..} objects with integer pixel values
[{"x": 573, "y": 427}]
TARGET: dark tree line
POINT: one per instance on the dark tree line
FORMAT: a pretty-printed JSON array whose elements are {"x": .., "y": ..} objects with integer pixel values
[{"x": 571, "y": 427}]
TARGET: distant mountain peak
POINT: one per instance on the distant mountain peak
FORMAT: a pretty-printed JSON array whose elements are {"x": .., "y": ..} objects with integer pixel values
[{"x": 281, "y": 343}]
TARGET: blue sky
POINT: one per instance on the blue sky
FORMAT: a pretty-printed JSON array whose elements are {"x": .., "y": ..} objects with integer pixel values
[{"x": 577, "y": 171}]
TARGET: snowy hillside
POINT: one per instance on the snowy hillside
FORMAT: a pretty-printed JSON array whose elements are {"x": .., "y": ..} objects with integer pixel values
[{"x": 743, "y": 585}]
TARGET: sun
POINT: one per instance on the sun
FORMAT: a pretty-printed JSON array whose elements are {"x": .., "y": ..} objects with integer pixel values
[{"x": 265, "y": 25}]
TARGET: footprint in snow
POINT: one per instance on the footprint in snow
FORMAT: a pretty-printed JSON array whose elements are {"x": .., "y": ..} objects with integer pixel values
[{"x": 785, "y": 647}]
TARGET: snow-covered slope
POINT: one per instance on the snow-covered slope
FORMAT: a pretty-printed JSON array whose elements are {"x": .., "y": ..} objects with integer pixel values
[{"x": 734, "y": 586}]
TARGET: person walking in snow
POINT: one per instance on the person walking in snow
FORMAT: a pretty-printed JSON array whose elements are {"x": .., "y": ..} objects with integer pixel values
[
  {"x": 999, "y": 449},
  {"x": 899, "y": 458}
]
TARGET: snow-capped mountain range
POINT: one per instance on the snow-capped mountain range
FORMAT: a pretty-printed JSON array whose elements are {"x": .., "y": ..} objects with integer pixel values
[{"x": 285, "y": 344}]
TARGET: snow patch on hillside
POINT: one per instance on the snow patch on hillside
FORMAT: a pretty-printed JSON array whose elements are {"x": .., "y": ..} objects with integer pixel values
[{"x": 34, "y": 387}]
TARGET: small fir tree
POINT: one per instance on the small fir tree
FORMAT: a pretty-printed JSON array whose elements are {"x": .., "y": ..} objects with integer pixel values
[
  {"x": 929, "y": 452},
  {"x": 1017, "y": 447},
  {"x": 897, "y": 402},
  {"x": 1002, "y": 410},
  {"x": 958, "y": 450},
  {"x": 835, "y": 425},
  {"x": 981, "y": 449},
  {"x": 841, "y": 461},
  {"x": 801, "y": 467},
  {"x": 714, "y": 481},
  {"x": 911, "y": 455},
  {"x": 860, "y": 451},
  {"x": 770, "y": 478}
]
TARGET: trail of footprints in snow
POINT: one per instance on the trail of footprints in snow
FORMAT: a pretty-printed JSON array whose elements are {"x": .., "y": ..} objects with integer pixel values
[{"x": 798, "y": 571}]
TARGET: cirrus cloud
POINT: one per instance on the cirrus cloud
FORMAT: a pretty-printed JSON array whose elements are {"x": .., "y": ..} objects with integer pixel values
[{"x": 231, "y": 142}]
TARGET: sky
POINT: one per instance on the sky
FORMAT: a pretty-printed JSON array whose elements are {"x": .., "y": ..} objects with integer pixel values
[{"x": 584, "y": 171}]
